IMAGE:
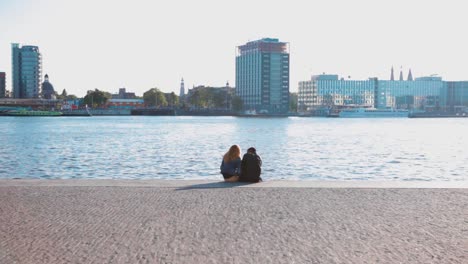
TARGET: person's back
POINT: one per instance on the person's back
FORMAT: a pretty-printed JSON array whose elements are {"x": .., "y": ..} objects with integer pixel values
[
  {"x": 230, "y": 165},
  {"x": 251, "y": 167},
  {"x": 230, "y": 168}
]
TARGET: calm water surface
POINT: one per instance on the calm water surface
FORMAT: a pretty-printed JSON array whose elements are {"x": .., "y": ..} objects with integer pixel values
[{"x": 149, "y": 147}]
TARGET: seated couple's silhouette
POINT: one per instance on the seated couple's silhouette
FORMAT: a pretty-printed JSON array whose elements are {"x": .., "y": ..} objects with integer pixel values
[{"x": 247, "y": 169}]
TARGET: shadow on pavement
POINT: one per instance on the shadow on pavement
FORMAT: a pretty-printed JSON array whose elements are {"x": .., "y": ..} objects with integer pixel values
[{"x": 212, "y": 185}]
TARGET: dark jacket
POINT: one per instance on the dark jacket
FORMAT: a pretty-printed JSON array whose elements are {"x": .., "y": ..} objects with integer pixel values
[
  {"x": 250, "y": 168},
  {"x": 231, "y": 168}
]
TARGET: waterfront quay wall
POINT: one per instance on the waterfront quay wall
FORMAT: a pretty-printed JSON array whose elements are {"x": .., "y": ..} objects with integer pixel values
[{"x": 110, "y": 112}]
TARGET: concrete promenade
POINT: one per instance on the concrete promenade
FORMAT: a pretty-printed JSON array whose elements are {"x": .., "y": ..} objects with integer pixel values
[{"x": 156, "y": 221}]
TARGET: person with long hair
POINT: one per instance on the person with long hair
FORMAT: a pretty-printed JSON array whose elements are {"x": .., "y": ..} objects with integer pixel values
[{"x": 230, "y": 166}]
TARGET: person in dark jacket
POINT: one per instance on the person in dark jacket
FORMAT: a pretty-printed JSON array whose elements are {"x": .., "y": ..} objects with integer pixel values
[
  {"x": 230, "y": 166},
  {"x": 251, "y": 166}
]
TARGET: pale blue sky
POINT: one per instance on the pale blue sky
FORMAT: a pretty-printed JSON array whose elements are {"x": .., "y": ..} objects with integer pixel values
[{"x": 143, "y": 44}]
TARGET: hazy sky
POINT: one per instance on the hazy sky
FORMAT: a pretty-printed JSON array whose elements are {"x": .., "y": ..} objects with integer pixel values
[{"x": 139, "y": 44}]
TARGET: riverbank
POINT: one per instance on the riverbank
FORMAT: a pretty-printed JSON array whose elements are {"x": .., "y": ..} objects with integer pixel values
[{"x": 114, "y": 221}]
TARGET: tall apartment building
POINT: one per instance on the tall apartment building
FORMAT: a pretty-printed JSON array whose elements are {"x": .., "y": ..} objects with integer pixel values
[
  {"x": 26, "y": 71},
  {"x": 262, "y": 75},
  {"x": 2, "y": 85}
]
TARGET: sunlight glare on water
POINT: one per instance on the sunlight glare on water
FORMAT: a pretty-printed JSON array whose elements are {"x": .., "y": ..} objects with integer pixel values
[{"x": 151, "y": 147}]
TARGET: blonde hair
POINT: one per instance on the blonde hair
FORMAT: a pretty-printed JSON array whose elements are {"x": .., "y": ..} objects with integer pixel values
[{"x": 233, "y": 153}]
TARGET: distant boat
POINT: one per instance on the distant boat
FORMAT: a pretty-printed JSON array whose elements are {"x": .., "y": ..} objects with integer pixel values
[
  {"x": 5, "y": 109},
  {"x": 439, "y": 114},
  {"x": 24, "y": 112},
  {"x": 250, "y": 112},
  {"x": 372, "y": 112},
  {"x": 77, "y": 112}
]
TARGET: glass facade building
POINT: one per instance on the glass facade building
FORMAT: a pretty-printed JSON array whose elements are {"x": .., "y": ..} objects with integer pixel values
[
  {"x": 327, "y": 90},
  {"x": 422, "y": 93},
  {"x": 454, "y": 95},
  {"x": 262, "y": 75},
  {"x": 26, "y": 71}
]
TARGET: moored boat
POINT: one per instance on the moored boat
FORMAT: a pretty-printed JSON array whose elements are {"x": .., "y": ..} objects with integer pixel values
[
  {"x": 33, "y": 113},
  {"x": 77, "y": 112},
  {"x": 372, "y": 112},
  {"x": 439, "y": 114}
]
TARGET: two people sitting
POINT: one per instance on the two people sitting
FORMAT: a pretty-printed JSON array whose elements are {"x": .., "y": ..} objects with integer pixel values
[{"x": 247, "y": 169}]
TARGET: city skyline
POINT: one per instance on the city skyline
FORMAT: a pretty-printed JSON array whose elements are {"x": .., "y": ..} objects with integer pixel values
[{"x": 112, "y": 44}]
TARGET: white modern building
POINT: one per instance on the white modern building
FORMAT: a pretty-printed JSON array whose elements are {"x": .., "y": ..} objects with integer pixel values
[{"x": 329, "y": 91}]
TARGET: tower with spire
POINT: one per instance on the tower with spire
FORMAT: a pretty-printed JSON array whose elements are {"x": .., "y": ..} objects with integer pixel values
[
  {"x": 392, "y": 77},
  {"x": 401, "y": 74},
  {"x": 182, "y": 89},
  {"x": 410, "y": 75}
]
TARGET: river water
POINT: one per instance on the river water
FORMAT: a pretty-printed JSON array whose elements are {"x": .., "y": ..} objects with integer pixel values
[{"x": 157, "y": 147}]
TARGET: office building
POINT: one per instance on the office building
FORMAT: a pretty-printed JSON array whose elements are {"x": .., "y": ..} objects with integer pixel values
[
  {"x": 421, "y": 93},
  {"x": 454, "y": 95},
  {"x": 326, "y": 90},
  {"x": 262, "y": 75},
  {"x": 125, "y": 103},
  {"x": 26, "y": 71},
  {"x": 2, "y": 85}
]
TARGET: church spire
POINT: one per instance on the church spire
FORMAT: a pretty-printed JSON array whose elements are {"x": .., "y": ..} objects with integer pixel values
[
  {"x": 410, "y": 75},
  {"x": 182, "y": 88},
  {"x": 392, "y": 77}
]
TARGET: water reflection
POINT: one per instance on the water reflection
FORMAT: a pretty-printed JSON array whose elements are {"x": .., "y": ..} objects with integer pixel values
[{"x": 192, "y": 147}]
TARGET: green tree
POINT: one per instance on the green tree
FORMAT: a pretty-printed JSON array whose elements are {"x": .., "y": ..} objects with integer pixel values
[
  {"x": 293, "y": 102},
  {"x": 172, "y": 99},
  {"x": 65, "y": 96},
  {"x": 219, "y": 99},
  {"x": 237, "y": 103},
  {"x": 209, "y": 97},
  {"x": 195, "y": 99},
  {"x": 71, "y": 97},
  {"x": 206, "y": 97},
  {"x": 154, "y": 97},
  {"x": 61, "y": 96},
  {"x": 96, "y": 98}
]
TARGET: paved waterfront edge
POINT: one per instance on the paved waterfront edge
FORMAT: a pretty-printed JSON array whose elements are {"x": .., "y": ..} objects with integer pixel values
[{"x": 219, "y": 184}]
